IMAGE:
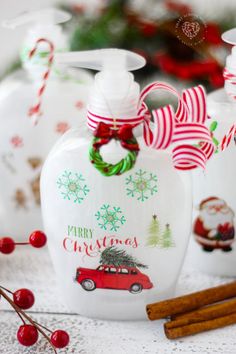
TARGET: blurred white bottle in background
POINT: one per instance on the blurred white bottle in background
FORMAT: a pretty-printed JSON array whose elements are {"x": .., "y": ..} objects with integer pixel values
[
  {"x": 213, "y": 248},
  {"x": 23, "y": 145}
]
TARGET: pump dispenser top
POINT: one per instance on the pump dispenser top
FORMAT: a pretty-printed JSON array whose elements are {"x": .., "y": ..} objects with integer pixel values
[
  {"x": 115, "y": 93},
  {"x": 230, "y": 38},
  {"x": 45, "y": 25},
  {"x": 48, "y": 16}
]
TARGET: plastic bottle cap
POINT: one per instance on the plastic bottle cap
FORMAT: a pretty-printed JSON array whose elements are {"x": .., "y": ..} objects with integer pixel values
[{"x": 115, "y": 92}]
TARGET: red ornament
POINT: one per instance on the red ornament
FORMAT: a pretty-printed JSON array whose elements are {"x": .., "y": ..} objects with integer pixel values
[
  {"x": 23, "y": 298},
  {"x": 217, "y": 79},
  {"x": 184, "y": 72},
  {"x": 27, "y": 335},
  {"x": 7, "y": 245},
  {"x": 37, "y": 239},
  {"x": 60, "y": 339},
  {"x": 181, "y": 9},
  {"x": 190, "y": 70},
  {"x": 212, "y": 34},
  {"x": 148, "y": 29}
]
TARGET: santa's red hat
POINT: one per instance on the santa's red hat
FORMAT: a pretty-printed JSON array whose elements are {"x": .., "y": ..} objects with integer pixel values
[{"x": 209, "y": 200}]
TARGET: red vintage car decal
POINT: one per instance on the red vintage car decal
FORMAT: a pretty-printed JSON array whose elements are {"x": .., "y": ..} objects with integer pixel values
[{"x": 112, "y": 277}]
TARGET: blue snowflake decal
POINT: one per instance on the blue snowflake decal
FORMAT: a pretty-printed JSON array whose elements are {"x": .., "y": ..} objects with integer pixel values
[
  {"x": 110, "y": 218},
  {"x": 72, "y": 186},
  {"x": 141, "y": 185}
]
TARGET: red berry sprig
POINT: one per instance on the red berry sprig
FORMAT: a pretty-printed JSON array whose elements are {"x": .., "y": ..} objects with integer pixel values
[
  {"x": 24, "y": 298},
  {"x": 37, "y": 239},
  {"x": 28, "y": 333}
]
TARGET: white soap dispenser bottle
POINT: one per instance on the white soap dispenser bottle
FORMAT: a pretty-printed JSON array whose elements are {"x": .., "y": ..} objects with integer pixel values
[
  {"x": 117, "y": 220},
  {"x": 212, "y": 248},
  {"x": 24, "y": 145}
]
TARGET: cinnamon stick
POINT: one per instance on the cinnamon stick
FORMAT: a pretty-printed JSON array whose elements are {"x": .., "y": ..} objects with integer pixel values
[
  {"x": 194, "y": 328},
  {"x": 190, "y": 302},
  {"x": 203, "y": 314}
]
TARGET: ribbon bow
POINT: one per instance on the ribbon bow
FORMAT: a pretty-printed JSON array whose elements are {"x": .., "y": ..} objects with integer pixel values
[
  {"x": 106, "y": 133},
  {"x": 185, "y": 129}
]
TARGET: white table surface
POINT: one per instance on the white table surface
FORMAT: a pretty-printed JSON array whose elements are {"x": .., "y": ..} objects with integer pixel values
[{"x": 32, "y": 269}]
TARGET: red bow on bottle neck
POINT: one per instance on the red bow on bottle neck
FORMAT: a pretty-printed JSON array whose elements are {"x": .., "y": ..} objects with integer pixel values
[{"x": 124, "y": 134}]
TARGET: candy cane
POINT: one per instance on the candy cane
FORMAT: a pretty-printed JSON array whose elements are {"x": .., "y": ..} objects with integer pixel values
[
  {"x": 228, "y": 137},
  {"x": 232, "y": 131},
  {"x": 36, "y": 109}
]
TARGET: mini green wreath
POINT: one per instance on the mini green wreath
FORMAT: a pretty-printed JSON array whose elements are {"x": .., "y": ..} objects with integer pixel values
[{"x": 103, "y": 135}]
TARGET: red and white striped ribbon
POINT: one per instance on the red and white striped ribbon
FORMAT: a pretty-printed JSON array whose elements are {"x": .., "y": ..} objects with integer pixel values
[
  {"x": 182, "y": 128},
  {"x": 35, "y": 110},
  {"x": 94, "y": 119}
]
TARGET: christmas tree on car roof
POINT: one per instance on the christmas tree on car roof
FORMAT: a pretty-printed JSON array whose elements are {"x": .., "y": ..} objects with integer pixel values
[{"x": 118, "y": 257}]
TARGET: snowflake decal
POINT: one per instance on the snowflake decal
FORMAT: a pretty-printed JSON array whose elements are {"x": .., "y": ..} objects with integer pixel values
[
  {"x": 110, "y": 217},
  {"x": 141, "y": 185},
  {"x": 72, "y": 186}
]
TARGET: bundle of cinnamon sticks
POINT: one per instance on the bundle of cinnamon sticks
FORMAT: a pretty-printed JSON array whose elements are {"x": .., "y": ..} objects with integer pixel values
[{"x": 197, "y": 312}]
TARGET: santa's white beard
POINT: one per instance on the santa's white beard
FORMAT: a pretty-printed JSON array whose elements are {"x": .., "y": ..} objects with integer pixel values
[{"x": 213, "y": 221}]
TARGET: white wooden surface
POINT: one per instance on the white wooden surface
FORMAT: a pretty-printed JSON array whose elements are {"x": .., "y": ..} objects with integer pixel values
[{"x": 33, "y": 269}]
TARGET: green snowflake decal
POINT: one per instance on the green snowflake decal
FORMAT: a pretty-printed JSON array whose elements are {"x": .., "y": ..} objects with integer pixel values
[
  {"x": 72, "y": 187},
  {"x": 141, "y": 185},
  {"x": 110, "y": 217}
]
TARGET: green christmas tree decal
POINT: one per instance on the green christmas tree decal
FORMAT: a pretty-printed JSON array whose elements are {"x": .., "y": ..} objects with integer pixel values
[
  {"x": 166, "y": 238},
  {"x": 118, "y": 257},
  {"x": 154, "y": 238},
  {"x": 157, "y": 236}
]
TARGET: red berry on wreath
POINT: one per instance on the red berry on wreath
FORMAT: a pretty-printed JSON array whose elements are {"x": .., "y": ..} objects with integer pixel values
[
  {"x": 27, "y": 335},
  {"x": 60, "y": 339},
  {"x": 24, "y": 298},
  {"x": 7, "y": 245},
  {"x": 38, "y": 239}
]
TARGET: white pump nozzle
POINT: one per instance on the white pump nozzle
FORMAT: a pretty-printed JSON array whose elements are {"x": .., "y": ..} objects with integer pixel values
[
  {"x": 48, "y": 16},
  {"x": 115, "y": 92},
  {"x": 102, "y": 59},
  {"x": 229, "y": 36}
]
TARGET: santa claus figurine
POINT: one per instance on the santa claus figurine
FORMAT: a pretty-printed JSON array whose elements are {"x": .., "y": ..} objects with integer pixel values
[{"x": 214, "y": 228}]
